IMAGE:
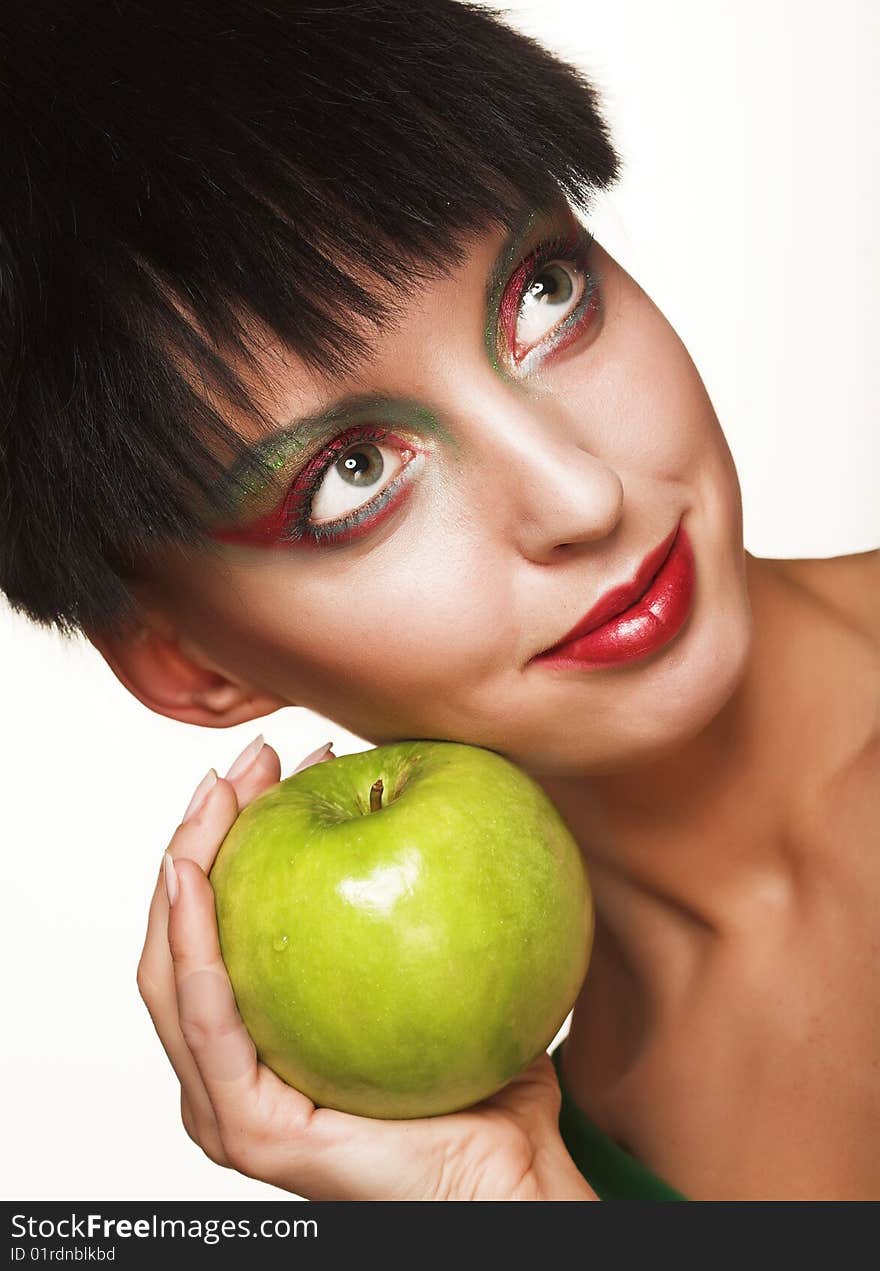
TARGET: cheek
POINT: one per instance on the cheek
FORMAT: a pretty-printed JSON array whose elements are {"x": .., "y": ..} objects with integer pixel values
[
  {"x": 639, "y": 395},
  {"x": 365, "y": 642}
]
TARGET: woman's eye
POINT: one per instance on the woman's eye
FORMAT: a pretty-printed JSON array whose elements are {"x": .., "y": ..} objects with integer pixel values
[
  {"x": 355, "y": 477},
  {"x": 341, "y": 494},
  {"x": 551, "y": 301},
  {"x": 549, "y": 298}
]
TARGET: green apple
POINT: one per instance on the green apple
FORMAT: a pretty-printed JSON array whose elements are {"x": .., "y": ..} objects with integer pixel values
[{"x": 405, "y": 928}]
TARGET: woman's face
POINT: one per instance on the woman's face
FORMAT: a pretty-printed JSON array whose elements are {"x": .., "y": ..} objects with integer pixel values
[{"x": 538, "y": 430}]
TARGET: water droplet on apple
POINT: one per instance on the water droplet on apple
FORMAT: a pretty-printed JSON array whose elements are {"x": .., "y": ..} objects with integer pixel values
[{"x": 279, "y": 944}]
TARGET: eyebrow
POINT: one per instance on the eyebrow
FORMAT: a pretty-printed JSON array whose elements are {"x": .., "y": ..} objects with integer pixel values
[{"x": 299, "y": 432}]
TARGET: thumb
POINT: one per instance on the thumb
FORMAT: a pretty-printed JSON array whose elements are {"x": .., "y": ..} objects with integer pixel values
[{"x": 532, "y": 1094}]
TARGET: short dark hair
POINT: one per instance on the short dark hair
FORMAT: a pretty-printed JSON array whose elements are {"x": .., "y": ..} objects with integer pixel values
[{"x": 171, "y": 170}]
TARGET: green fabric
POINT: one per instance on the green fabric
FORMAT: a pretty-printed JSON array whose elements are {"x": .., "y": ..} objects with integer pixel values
[{"x": 611, "y": 1172}]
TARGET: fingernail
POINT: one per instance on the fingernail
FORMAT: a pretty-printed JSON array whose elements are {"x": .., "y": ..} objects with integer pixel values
[
  {"x": 317, "y": 756},
  {"x": 203, "y": 789},
  {"x": 246, "y": 759},
  {"x": 171, "y": 885}
]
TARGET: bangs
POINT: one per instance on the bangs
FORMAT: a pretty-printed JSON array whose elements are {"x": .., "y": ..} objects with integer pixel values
[{"x": 176, "y": 176}]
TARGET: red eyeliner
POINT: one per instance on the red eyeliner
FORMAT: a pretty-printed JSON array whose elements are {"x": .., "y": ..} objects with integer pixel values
[
  {"x": 511, "y": 299},
  {"x": 372, "y": 523},
  {"x": 569, "y": 332},
  {"x": 276, "y": 529},
  {"x": 266, "y": 532},
  {"x": 570, "y": 249}
]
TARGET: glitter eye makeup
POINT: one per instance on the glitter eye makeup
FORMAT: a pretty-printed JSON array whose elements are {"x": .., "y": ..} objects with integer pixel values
[
  {"x": 358, "y": 458},
  {"x": 541, "y": 299},
  {"x": 314, "y": 485},
  {"x": 549, "y": 302}
]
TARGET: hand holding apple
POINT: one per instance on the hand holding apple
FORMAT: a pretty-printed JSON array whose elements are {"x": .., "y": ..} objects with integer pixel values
[
  {"x": 405, "y": 929},
  {"x": 243, "y": 1116}
]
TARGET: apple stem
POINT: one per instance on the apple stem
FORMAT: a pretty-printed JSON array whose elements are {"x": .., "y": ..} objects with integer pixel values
[{"x": 376, "y": 795}]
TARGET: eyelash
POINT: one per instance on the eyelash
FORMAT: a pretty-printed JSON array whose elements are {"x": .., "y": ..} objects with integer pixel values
[
  {"x": 289, "y": 523},
  {"x": 571, "y": 248},
  {"x": 297, "y": 502}
]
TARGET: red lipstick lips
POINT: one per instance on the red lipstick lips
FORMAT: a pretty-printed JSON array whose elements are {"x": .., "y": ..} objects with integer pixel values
[{"x": 632, "y": 621}]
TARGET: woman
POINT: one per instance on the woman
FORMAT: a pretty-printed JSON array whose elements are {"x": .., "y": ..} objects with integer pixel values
[
  {"x": 724, "y": 789},
  {"x": 416, "y": 536}
]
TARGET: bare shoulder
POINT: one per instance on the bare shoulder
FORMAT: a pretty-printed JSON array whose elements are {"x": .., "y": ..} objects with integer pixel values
[{"x": 850, "y": 585}]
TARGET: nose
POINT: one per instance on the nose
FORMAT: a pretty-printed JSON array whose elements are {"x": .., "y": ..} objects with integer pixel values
[{"x": 555, "y": 493}]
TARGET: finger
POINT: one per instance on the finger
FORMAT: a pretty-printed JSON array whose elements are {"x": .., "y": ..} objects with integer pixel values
[
  {"x": 198, "y": 838},
  {"x": 211, "y": 814},
  {"x": 532, "y": 1093},
  {"x": 267, "y": 1129},
  {"x": 220, "y": 1045},
  {"x": 202, "y": 1129},
  {"x": 157, "y": 988},
  {"x": 201, "y": 834},
  {"x": 256, "y": 769},
  {"x": 321, "y": 755}
]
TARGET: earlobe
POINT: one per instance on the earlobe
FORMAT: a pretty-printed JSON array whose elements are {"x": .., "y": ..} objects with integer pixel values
[{"x": 172, "y": 678}]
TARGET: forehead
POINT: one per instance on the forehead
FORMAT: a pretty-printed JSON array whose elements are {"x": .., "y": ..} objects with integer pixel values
[
  {"x": 420, "y": 316},
  {"x": 282, "y": 387}
]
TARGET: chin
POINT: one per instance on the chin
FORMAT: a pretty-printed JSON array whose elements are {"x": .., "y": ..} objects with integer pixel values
[
  {"x": 688, "y": 686},
  {"x": 658, "y": 704}
]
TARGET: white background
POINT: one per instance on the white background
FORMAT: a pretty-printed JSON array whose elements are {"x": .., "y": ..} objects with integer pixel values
[{"x": 747, "y": 210}]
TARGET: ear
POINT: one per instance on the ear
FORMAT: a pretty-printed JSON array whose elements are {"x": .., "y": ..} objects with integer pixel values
[{"x": 174, "y": 677}]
